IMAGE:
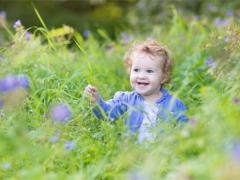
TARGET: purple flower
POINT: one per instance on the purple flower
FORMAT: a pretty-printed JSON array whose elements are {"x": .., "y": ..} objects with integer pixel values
[
  {"x": 69, "y": 145},
  {"x": 218, "y": 22},
  {"x": 236, "y": 100},
  {"x": 27, "y": 36},
  {"x": 235, "y": 153},
  {"x": 211, "y": 7},
  {"x": 8, "y": 83},
  {"x": 54, "y": 138},
  {"x": 23, "y": 80},
  {"x": 61, "y": 113},
  {"x": 126, "y": 38},
  {"x": 86, "y": 33},
  {"x": 229, "y": 12},
  {"x": 196, "y": 17},
  {"x": 210, "y": 62},
  {"x": 226, "y": 38},
  {"x": 3, "y": 15},
  {"x": 17, "y": 24},
  {"x": 12, "y": 82}
]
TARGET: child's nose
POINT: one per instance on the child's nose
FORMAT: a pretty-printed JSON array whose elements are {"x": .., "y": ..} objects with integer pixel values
[{"x": 141, "y": 75}]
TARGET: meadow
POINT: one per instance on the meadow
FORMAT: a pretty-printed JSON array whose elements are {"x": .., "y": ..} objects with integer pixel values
[{"x": 48, "y": 130}]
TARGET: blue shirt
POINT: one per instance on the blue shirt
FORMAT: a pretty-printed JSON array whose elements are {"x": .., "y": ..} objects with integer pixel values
[{"x": 132, "y": 102}]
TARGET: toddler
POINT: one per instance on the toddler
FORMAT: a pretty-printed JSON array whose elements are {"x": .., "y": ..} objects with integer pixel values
[{"x": 148, "y": 65}]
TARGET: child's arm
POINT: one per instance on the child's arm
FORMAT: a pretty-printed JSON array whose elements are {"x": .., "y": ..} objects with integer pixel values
[
  {"x": 179, "y": 112},
  {"x": 112, "y": 108}
]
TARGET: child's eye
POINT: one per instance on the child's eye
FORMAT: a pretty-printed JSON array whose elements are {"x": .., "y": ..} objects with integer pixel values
[
  {"x": 149, "y": 71},
  {"x": 135, "y": 69}
]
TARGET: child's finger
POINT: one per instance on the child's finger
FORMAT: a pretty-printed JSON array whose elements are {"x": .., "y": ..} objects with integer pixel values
[{"x": 92, "y": 88}]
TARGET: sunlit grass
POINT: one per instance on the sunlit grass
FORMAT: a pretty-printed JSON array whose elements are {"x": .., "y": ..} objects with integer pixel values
[{"x": 103, "y": 149}]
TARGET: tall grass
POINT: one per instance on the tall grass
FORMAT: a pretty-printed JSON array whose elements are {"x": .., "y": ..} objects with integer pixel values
[{"x": 204, "y": 148}]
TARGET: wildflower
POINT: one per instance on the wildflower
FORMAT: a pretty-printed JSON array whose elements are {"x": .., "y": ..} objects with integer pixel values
[
  {"x": 218, "y": 22},
  {"x": 6, "y": 165},
  {"x": 54, "y": 138},
  {"x": 8, "y": 83},
  {"x": 196, "y": 17},
  {"x": 126, "y": 38},
  {"x": 27, "y": 36},
  {"x": 226, "y": 38},
  {"x": 12, "y": 82},
  {"x": 3, "y": 16},
  {"x": 235, "y": 152},
  {"x": 210, "y": 62},
  {"x": 23, "y": 80},
  {"x": 60, "y": 113},
  {"x": 69, "y": 145},
  {"x": 229, "y": 12},
  {"x": 17, "y": 24},
  {"x": 211, "y": 7},
  {"x": 236, "y": 100},
  {"x": 86, "y": 33}
]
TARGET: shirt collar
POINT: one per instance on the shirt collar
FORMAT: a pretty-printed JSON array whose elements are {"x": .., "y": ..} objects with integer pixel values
[{"x": 165, "y": 94}]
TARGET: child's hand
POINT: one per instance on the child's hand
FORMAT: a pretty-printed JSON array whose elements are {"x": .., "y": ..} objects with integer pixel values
[{"x": 91, "y": 92}]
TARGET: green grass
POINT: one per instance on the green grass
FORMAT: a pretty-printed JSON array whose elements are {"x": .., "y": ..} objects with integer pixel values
[{"x": 104, "y": 150}]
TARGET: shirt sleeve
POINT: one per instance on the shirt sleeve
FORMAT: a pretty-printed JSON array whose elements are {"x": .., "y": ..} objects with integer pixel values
[
  {"x": 179, "y": 111},
  {"x": 112, "y": 108}
]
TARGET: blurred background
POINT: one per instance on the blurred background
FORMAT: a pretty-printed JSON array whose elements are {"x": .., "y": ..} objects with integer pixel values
[
  {"x": 113, "y": 15},
  {"x": 49, "y": 52}
]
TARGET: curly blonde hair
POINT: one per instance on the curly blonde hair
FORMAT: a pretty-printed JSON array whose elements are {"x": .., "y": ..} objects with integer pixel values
[{"x": 156, "y": 52}]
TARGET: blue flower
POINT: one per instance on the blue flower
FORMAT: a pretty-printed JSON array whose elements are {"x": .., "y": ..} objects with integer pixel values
[
  {"x": 8, "y": 83},
  {"x": 61, "y": 113},
  {"x": 86, "y": 33},
  {"x": 17, "y": 24},
  {"x": 226, "y": 38},
  {"x": 211, "y": 7},
  {"x": 235, "y": 152},
  {"x": 54, "y": 138},
  {"x": 23, "y": 80},
  {"x": 210, "y": 62},
  {"x": 27, "y": 36},
  {"x": 125, "y": 38},
  {"x": 3, "y": 15},
  {"x": 69, "y": 145},
  {"x": 218, "y": 22},
  {"x": 229, "y": 12},
  {"x": 12, "y": 82},
  {"x": 196, "y": 17}
]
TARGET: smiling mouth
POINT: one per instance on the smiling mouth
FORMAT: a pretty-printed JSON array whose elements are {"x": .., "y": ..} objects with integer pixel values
[{"x": 142, "y": 83}]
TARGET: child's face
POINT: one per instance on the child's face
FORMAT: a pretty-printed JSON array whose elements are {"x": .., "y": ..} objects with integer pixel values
[{"x": 146, "y": 75}]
